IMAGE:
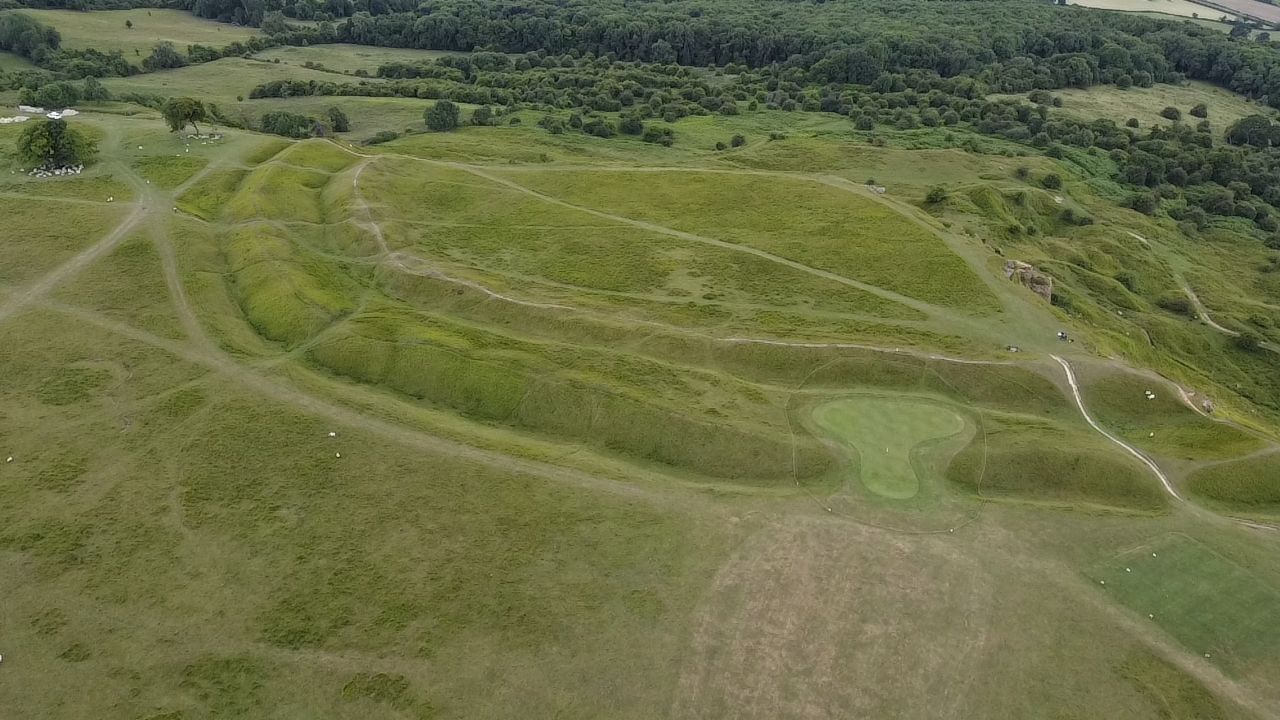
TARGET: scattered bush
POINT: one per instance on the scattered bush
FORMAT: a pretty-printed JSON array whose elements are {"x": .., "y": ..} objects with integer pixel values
[
  {"x": 443, "y": 116},
  {"x": 338, "y": 121},
  {"x": 382, "y": 136}
]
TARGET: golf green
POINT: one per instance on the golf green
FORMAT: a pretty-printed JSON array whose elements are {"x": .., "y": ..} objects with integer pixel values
[{"x": 885, "y": 432}]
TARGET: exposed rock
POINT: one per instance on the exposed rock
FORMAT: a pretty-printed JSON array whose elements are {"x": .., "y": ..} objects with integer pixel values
[{"x": 1035, "y": 281}]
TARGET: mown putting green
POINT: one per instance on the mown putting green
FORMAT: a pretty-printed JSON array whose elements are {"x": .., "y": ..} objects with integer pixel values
[{"x": 887, "y": 433}]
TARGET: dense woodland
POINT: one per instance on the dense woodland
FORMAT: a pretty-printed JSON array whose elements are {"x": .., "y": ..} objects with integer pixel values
[{"x": 608, "y": 67}]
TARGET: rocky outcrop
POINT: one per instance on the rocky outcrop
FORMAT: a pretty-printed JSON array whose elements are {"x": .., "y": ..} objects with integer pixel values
[{"x": 1034, "y": 280}]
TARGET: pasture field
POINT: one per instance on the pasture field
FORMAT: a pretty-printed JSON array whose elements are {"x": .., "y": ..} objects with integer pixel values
[
  {"x": 806, "y": 222},
  {"x": 1145, "y": 104},
  {"x": 308, "y": 429},
  {"x": 348, "y": 59},
  {"x": 1249, "y": 484},
  {"x": 222, "y": 81},
  {"x": 105, "y": 30},
  {"x": 1178, "y": 8},
  {"x": 1165, "y": 425}
]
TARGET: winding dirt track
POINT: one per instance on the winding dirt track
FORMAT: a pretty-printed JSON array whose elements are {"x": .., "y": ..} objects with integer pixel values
[{"x": 1075, "y": 391}]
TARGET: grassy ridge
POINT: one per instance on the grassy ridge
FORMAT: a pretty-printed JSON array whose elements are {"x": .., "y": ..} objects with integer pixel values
[
  {"x": 206, "y": 197},
  {"x": 288, "y": 297},
  {"x": 635, "y": 407},
  {"x": 1015, "y": 458},
  {"x": 258, "y": 546},
  {"x": 1250, "y": 484},
  {"x": 1165, "y": 425},
  {"x": 820, "y": 226},
  {"x": 280, "y": 193}
]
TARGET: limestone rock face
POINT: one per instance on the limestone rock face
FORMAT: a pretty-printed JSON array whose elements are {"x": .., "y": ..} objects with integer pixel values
[{"x": 1035, "y": 281}]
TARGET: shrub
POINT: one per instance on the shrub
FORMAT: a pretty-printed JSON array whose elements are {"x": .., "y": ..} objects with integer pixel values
[
  {"x": 599, "y": 127},
  {"x": 1177, "y": 304},
  {"x": 1200, "y": 111},
  {"x": 659, "y": 135},
  {"x": 737, "y": 141},
  {"x": 443, "y": 116},
  {"x": 1051, "y": 181},
  {"x": 338, "y": 120},
  {"x": 1171, "y": 113},
  {"x": 1247, "y": 342},
  {"x": 482, "y": 116},
  {"x": 280, "y": 122},
  {"x": 630, "y": 125},
  {"x": 935, "y": 195},
  {"x": 1145, "y": 203}
]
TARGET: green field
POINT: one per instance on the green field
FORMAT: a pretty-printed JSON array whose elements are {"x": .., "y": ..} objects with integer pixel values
[
  {"x": 347, "y": 59},
  {"x": 105, "y": 30},
  {"x": 907, "y": 431},
  {"x": 505, "y": 423},
  {"x": 221, "y": 81},
  {"x": 1211, "y": 605},
  {"x": 1145, "y": 104},
  {"x": 1164, "y": 425},
  {"x": 1250, "y": 484}
]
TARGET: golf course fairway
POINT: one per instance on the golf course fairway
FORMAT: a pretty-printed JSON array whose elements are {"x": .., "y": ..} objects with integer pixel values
[{"x": 885, "y": 433}]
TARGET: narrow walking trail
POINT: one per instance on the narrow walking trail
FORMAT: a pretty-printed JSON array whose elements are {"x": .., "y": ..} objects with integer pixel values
[{"x": 1075, "y": 391}]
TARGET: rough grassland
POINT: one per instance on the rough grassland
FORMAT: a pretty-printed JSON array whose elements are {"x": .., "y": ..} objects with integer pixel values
[
  {"x": 1252, "y": 484},
  {"x": 619, "y": 512},
  {"x": 166, "y": 172},
  {"x": 1118, "y": 401},
  {"x": 128, "y": 286},
  {"x": 343, "y": 58},
  {"x": 206, "y": 197},
  {"x": 104, "y": 30},
  {"x": 906, "y": 431},
  {"x": 469, "y": 221},
  {"x": 819, "y": 226},
  {"x": 219, "y": 81},
  {"x": 225, "y": 520},
  {"x": 40, "y": 234},
  {"x": 1145, "y": 104},
  {"x": 1012, "y": 458}
]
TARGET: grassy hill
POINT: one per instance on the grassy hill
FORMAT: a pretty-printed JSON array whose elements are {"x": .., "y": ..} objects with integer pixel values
[{"x": 504, "y": 422}]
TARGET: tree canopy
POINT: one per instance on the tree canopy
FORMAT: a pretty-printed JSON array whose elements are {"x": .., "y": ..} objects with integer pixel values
[
  {"x": 442, "y": 116},
  {"x": 53, "y": 143},
  {"x": 182, "y": 111}
]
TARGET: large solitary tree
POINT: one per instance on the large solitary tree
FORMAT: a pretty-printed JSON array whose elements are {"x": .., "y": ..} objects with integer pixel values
[
  {"x": 182, "y": 111},
  {"x": 55, "y": 144}
]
